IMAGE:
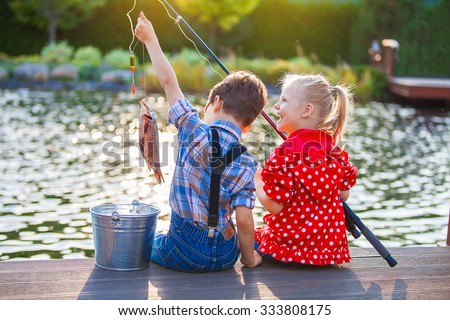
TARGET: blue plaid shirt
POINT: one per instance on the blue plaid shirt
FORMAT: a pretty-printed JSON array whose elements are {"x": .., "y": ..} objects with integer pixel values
[{"x": 189, "y": 193}]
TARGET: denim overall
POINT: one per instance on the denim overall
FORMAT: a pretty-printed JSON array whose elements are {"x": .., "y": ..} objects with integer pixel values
[{"x": 187, "y": 247}]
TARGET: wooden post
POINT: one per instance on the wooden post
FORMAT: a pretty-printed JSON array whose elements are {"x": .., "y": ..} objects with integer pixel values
[
  {"x": 382, "y": 56},
  {"x": 388, "y": 49}
]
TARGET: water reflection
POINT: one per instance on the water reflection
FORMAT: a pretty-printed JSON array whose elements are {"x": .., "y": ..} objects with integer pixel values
[{"x": 63, "y": 152}]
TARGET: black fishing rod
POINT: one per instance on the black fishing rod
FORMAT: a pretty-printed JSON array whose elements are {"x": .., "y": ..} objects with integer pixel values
[
  {"x": 205, "y": 46},
  {"x": 351, "y": 219}
]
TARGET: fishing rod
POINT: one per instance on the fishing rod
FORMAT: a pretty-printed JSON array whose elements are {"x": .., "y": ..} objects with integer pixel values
[
  {"x": 217, "y": 60},
  {"x": 352, "y": 220}
]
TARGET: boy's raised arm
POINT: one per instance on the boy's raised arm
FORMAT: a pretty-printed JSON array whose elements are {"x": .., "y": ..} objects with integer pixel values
[{"x": 164, "y": 72}]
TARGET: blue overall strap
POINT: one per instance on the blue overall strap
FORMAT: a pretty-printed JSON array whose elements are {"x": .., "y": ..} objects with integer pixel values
[{"x": 218, "y": 165}]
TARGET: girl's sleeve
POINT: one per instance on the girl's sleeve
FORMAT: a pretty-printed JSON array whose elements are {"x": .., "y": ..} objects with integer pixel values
[
  {"x": 278, "y": 181},
  {"x": 350, "y": 172},
  {"x": 349, "y": 178}
]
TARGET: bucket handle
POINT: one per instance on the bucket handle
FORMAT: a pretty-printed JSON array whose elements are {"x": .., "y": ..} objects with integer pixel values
[
  {"x": 135, "y": 203},
  {"x": 115, "y": 219},
  {"x": 115, "y": 216}
]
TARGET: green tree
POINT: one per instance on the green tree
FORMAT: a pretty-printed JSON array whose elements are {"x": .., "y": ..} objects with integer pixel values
[
  {"x": 54, "y": 14},
  {"x": 223, "y": 14}
]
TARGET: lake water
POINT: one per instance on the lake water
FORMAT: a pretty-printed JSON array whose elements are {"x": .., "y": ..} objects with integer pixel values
[{"x": 63, "y": 152}]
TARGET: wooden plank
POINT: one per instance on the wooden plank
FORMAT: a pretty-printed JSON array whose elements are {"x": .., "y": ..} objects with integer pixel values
[
  {"x": 421, "y": 273},
  {"x": 420, "y": 88}
]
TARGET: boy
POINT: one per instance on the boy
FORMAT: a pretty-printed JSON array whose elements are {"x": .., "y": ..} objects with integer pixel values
[{"x": 199, "y": 239}]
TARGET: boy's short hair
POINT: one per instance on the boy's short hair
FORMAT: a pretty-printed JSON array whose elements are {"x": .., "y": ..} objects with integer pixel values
[{"x": 244, "y": 95}]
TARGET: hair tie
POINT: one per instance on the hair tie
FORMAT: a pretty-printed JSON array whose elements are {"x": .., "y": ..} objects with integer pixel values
[{"x": 333, "y": 89}]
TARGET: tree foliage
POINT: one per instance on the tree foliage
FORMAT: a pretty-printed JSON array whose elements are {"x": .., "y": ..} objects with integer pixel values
[
  {"x": 54, "y": 14},
  {"x": 227, "y": 13},
  {"x": 223, "y": 14},
  {"x": 418, "y": 26}
]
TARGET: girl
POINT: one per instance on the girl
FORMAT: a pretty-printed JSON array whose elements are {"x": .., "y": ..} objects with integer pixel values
[{"x": 306, "y": 176}]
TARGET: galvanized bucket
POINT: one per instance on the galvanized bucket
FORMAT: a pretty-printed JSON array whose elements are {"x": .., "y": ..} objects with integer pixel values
[{"x": 123, "y": 235}]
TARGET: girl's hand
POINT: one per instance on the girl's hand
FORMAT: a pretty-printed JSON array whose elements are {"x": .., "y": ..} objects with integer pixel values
[
  {"x": 345, "y": 194},
  {"x": 270, "y": 205},
  {"x": 258, "y": 178}
]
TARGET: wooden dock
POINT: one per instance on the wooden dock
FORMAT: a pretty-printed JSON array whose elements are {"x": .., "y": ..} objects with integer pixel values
[
  {"x": 420, "y": 88},
  {"x": 421, "y": 273},
  {"x": 383, "y": 56}
]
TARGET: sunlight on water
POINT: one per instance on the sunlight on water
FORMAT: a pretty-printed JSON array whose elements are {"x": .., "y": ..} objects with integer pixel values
[{"x": 64, "y": 152}]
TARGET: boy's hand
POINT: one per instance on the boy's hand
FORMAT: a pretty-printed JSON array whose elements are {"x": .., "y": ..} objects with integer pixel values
[
  {"x": 144, "y": 30},
  {"x": 164, "y": 72},
  {"x": 257, "y": 260}
]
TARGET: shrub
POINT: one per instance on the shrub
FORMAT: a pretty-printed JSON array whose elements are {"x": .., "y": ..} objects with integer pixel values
[
  {"x": 259, "y": 66},
  {"x": 366, "y": 82},
  {"x": 148, "y": 81},
  {"x": 372, "y": 83},
  {"x": 276, "y": 69},
  {"x": 88, "y": 72},
  {"x": 300, "y": 65},
  {"x": 88, "y": 55},
  {"x": 119, "y": 58},
  {"x": 26, "y": 59},
  {"x": 57, "y": 52},
  {"x": 189, "y": 56}
]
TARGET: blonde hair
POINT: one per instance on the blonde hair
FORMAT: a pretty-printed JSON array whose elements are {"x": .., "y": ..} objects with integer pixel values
[{"x": 334, "y": 103}]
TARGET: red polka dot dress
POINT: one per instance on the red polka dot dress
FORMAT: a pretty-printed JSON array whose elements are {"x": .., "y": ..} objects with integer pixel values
[{"x": 306, "y": 174}]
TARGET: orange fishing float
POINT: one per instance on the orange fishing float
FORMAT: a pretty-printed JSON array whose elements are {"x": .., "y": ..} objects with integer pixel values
[{"x": 132, "y": 68}]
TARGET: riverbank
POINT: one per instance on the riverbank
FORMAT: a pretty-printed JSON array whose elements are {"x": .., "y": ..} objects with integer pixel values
[{"x": 54, "y": 85}]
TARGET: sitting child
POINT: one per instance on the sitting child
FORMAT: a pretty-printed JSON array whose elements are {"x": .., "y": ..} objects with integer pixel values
[
  {"x": 306, "y": 176},
  {"x": 207, "y": 186}
]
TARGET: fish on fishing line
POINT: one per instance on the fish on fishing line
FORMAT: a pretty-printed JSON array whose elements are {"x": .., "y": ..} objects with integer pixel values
[
  {"x": 148, "y": 128},
  {"x": 149, "y": 139}
]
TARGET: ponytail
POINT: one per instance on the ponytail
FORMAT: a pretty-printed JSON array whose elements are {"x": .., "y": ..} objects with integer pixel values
[{"x": 335, "y": 121}]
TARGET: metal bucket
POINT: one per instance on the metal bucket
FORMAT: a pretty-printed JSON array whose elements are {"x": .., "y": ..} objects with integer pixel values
[{"x": 123, "y": 235}]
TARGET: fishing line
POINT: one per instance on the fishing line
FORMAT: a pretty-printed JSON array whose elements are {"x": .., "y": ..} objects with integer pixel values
[
  {"x": 177, "y": 21},
  {"x": 132, "y": 56},
  {"x": 132, "y": 28},
  {"x": 143, "y": 69}
]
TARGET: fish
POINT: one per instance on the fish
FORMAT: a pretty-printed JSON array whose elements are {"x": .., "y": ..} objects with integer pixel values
[{"x": 149, "y": 139}]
